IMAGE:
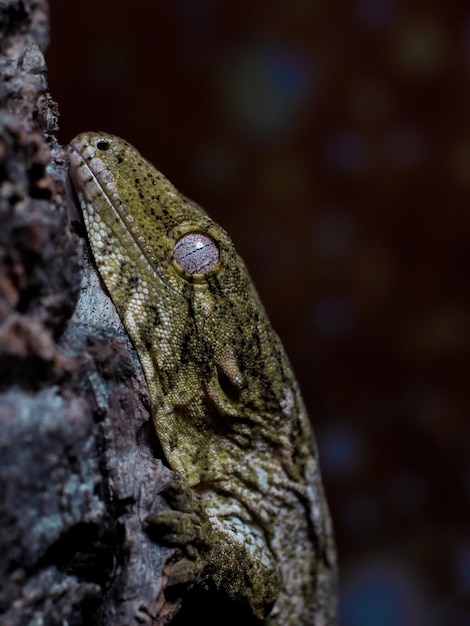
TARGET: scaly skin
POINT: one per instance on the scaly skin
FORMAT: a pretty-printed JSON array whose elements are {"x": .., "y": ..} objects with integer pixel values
[{"x": 249, "y": 511}]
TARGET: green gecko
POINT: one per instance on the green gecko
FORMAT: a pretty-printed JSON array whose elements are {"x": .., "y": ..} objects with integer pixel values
[{"x": 249, "y": 511}]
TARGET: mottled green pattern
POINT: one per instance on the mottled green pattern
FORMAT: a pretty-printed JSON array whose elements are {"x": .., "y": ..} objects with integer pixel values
[{"x": 225, "y": 403}]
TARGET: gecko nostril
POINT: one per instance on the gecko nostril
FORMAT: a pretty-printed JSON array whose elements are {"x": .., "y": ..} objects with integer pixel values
[{"x": 102, "y": 144}]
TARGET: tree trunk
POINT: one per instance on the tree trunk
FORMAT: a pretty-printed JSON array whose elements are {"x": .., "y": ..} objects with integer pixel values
[{"x": 79, "y": 465}]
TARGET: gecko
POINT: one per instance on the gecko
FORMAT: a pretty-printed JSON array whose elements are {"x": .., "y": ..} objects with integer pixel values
[{"x": 248, "y": 508}]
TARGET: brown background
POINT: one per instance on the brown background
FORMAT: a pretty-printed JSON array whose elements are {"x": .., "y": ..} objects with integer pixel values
[{"x": 332, "y": 141}]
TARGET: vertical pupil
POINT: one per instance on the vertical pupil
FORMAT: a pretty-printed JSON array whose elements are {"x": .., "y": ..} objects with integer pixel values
[{"x": 196, "y": 253}]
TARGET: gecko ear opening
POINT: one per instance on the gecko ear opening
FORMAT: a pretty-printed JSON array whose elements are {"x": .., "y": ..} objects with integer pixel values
[{"x": 231, "y": 391}]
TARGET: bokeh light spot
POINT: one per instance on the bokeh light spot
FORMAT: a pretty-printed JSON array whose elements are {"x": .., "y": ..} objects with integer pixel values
[
  {"x": 341, "y": 449},
  {"x": 382, "y": 592},
  {"x": 461, "y": 562},
  {"x": 265, "y": 87},
  {"x": 419, "y": 47}
]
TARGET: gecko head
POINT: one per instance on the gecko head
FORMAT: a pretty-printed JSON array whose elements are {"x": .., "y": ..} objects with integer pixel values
[
  {"x": 196, "y": 278},
  {"x": 211, "y": 359}
]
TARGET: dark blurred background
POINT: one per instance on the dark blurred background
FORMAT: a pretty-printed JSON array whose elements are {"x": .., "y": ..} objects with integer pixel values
[{"x": 332, "y": 141}]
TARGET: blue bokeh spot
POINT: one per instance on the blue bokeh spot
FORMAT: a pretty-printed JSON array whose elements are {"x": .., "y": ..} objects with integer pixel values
[{"x": 265, "y": 88}]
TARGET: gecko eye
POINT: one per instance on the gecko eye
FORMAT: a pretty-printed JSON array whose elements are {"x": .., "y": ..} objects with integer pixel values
[
  {"x": 102, "y": 144},
  {"x": 196, "y": 253}
]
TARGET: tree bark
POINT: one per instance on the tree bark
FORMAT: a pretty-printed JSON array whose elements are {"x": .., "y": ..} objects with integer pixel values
[{"x": 79, "y": 461}]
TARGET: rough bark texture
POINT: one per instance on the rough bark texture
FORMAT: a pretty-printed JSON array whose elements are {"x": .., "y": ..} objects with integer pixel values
[{"x": 78, "y": 457}]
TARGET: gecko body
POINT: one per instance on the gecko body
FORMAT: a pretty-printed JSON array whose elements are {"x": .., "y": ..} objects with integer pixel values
[{"x": 225, "y": 404}]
